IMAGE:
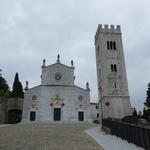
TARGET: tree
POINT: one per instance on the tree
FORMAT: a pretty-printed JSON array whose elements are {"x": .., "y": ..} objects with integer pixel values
[
  {"x": 147, "y": 103},
  {"x": 4, "y": 88},
  {"x": 145, "y": 114},
  {"x": 146, "y": 111},
  {"x": 17, "y": 87}
]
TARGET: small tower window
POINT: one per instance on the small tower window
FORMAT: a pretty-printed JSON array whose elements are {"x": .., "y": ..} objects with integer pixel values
[
  {"x": 115, "y": 67},
  {"x": 99, "y": 73},
  {"x": 112, "y": 67},
  {"x": 111, "y": 45},
  {"x": 98, "y": 51},
  {"x": 108, "y": 45},
  {"x": 115, "y": 85},
  {"x": 114, "y": 45}
]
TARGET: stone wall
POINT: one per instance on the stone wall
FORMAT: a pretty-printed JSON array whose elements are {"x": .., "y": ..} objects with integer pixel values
[
  {"x": 3, "y": 103},
  {"x": 94, "y": 109},
  {"x": 10, "y": 108}
]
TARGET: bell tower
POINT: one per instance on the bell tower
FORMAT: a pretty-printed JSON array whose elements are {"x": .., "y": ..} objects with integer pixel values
[{"x": 111, "y": 73}]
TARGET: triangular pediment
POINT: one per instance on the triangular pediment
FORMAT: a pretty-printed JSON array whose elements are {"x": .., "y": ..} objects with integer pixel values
[{"x": 60, "y": 65}]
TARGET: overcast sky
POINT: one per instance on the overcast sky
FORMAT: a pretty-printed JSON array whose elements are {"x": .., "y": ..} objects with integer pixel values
[{"x": 31, "y": 30}]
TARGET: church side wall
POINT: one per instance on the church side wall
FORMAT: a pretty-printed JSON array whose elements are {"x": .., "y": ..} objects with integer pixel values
[
  {"x": 31, "y": 100},
  {"x": 94, "y": 109}
]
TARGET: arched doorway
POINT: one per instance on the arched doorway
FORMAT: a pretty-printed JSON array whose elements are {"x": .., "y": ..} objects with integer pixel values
[
  {"x": 81, "y": 116},
  {"x": 57, "y": 104},
  {"x": 57, "y": 114},
  {"x": 14, "y": 116}
]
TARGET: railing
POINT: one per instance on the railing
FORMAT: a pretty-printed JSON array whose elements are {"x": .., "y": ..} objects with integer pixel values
[{"x": 132, "y": 133}]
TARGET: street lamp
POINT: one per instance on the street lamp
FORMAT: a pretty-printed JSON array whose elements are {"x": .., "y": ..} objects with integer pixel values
[{"x": 101, "y": 98}]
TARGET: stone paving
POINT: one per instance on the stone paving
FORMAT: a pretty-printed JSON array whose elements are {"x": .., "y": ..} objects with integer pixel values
[{"x": 47, "y": 136}]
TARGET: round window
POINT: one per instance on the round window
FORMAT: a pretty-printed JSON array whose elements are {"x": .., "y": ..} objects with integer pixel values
[
  {"x": 57, "y": 76},
  {"x": 34, "y": 97},
  {"x": 80, "y": 97}
]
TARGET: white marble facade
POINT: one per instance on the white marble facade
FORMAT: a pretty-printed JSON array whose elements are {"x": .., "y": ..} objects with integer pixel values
[{"x": 57, "y": 98}]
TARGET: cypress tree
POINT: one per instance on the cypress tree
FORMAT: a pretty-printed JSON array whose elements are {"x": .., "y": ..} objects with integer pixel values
[
  {"x": 146, "y": 112},
  {"x": 147, "y": 103},
  {"x": 17, "y": 88}
]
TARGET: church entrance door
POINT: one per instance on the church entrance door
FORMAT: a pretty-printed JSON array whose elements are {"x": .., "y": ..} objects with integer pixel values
[
  {"x": 32, "y": 115},
  {"x": 57, "y": 114},
  {"x": 81, "y": 116}
]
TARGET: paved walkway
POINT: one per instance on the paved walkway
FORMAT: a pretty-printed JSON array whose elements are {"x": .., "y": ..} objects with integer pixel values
[
  {"x": 110, "y": 142},
  {"x": 47, "y": 137}
]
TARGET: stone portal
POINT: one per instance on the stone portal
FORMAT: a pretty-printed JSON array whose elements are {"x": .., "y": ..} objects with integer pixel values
[
  {"x": 32, "y": 115},
  {"x": 57, "y": 114},
  {"x": 81, "y": 116}
]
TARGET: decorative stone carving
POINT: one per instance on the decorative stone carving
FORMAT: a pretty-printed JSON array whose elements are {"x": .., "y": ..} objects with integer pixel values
[
  {"x": 57, "y": 101},
  {"x": 87, "y": 86},
  {"x": 44, "y": 62},
  {"x": 72, "y": 64}
]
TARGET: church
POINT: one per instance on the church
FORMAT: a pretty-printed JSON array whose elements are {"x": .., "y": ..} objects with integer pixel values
[{"x": 57, "y": 98}]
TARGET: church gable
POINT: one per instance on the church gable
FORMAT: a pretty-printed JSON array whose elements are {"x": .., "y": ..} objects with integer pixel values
[{"x": 58, "y": 74}]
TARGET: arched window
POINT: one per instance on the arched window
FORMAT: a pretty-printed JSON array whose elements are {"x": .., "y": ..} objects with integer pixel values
[
  {"x": 99, "y": 73},
  {"x": 112, "y": 67},
  {"x": 115, "y": 85},
  {"x": 98, "y": 51},
  {"x": 111, "y": 45},
  {"x": 115, "y": 67},
  {"x": 32, "y": 115},
  {"x": 114, "y": 45},
  {"x": 108, "y": 45}
]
